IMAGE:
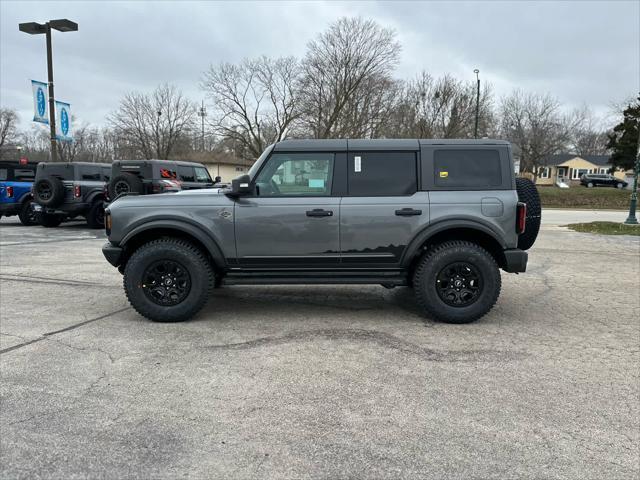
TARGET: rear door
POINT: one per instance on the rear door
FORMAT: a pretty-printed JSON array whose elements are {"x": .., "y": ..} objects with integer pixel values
[
  {"x": 292, "y": 220},
  {"x": 383, "y": 209}
]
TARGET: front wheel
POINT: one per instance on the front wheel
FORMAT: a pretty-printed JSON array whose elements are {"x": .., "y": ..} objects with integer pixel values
[
  {"x": 457, "y": 282},
  {"x": 619, "y": 185},
  {"x": 590, "y": 185},
  {"x": 168, "y": 280},
  {"x": 95, "y": 217}
]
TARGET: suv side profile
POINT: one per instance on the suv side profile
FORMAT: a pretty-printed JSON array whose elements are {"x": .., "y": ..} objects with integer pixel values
[
  {"x": 144, "y": 177},
  {"x": 67, "y": 190},
  {"x": 440, "y": 216},
  {"x": 16, "y": 180},
  {"x": 591, "y": 180}
]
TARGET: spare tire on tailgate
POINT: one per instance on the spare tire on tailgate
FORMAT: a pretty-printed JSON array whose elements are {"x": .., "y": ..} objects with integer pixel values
[
  {"x": 124, "y": 183},
  {"x": 49, "y": 191},
  {"x": 528, "y": 193}
]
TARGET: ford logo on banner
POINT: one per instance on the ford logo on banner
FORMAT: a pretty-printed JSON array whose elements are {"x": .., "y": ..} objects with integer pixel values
[
  {"x": 63, "y": 121},
  {"x": 40, "y": 108}
]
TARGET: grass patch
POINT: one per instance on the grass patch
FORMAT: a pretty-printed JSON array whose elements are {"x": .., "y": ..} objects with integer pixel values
[
  {"x": 606, "y": 228},
  {"x": 582, "y": 197}
]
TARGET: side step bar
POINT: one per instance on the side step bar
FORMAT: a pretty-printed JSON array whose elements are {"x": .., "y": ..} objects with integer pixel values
[{"x": 314, "y": 278}]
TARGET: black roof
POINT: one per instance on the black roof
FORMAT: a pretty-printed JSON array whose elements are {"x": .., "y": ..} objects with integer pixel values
[
  {"x": 160, "y": 162},
  {"x": 67, "y": 164},
  {"x": 553, "y": 160},
  {"x": 375, "y": 144}
]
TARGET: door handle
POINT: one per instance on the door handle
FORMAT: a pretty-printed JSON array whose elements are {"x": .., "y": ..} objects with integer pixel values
[
  {"x": 408, "y": 212},
  {"x": 318, "y": 212}
]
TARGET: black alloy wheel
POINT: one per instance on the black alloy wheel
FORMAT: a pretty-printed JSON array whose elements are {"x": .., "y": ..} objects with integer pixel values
[
  {"x": 166, "y": 283},
  {"x": 459, "y": 284}
]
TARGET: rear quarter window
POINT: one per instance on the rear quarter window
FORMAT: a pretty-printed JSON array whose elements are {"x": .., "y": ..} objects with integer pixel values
[
  {"x": 3, "y": 173},
  {"x": 467, "y": 168}
]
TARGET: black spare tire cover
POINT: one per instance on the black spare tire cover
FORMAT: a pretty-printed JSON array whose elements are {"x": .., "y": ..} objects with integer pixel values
[
  {"x": 49, "y": 191},
  {"x": 528, "y": 193}
]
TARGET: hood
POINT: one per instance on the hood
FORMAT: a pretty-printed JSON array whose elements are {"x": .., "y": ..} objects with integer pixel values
[{"x": 186, "y": 198}]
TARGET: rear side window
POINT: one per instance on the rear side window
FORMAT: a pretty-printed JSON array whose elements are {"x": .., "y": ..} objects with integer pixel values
[
  {"x": 373, "y": 174},
  {"x": 467, "y": 168},
  {"x": 186, "y": 174},
  {"x": 90, "y": 173},
  {"x": 3, "y": 173},
  {"x": 24, "y": 174}
]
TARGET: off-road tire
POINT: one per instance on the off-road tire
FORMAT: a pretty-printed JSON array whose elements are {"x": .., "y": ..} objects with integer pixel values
[
  {"x": 26, "y": 215},
  {"x": 194, "y": 262},
  {"x": 439, "y": 257},
  {"x": 95, "y": 217},
  {"x": 132, "y": 181},
  {"x": 53, "y": 185},
  {"x": 49, "y": 221},
  {"x": 528, "y": 193}
]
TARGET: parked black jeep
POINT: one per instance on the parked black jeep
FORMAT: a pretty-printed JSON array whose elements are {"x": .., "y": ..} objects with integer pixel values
[
  {"x": 66, "y": 190},
  {"x": 145, "y": 177}
]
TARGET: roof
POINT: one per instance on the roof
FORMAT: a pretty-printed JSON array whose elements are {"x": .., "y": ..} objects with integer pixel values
[
  {"x": 552, "y": 160},
  {"x": 85, "y": 164},
  {"x": 375, "y": 144},
  {"x": 162, "y": 162}
]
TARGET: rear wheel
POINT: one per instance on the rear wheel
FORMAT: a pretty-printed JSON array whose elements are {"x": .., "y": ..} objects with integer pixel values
[
  {"x": 95, "y": 217},
  {"x": 49, "y": 221},
  {"x": 168, "y": 280},
  {"x": 27, "y": 215},
  {"x": 457, "y": 282}
]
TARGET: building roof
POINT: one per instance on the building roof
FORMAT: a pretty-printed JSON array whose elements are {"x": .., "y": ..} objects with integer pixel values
[{"x": 553, "y": 160}]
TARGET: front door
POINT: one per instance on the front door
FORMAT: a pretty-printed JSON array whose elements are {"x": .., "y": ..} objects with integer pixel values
[{"x": 292, "y": 220}]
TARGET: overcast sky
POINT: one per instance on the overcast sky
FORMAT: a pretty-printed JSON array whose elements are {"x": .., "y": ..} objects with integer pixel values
[{"x": 580, "y": 52}]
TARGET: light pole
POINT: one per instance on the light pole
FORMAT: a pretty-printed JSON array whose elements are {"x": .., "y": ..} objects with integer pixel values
[
  {"x": 631, "y": 219},
  {"x": 34, "y": 28},
  {"x": 476, "y": 71},
  {"x": 202, "y": 113}
]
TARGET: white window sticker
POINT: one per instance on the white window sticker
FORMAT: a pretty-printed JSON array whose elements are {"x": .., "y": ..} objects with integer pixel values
[
  {"x": 357, "y": 164},
  {"x": 316, "y": 183}
]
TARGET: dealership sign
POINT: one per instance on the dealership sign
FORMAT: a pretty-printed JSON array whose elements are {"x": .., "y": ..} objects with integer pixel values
[{"x": 40, "y": 104}]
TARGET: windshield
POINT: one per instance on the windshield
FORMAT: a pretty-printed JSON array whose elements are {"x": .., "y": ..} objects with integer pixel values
[{"x": 256, "y": 165}]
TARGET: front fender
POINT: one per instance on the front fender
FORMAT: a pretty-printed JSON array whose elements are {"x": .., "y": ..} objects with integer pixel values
[{"x": 183, "y": 227}]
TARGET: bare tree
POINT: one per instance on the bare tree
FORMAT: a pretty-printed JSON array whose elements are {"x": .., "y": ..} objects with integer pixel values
[
  {"x": 586, "y": 136},
  {"x": 440, "y": 108},
  {"x": 346, "y": 67},
  {"x": 153, "y": 124},
  {"x": 8, "y": 126},
  {"x": 255, "y": 102},
  {"x": 535, "y": 124}
]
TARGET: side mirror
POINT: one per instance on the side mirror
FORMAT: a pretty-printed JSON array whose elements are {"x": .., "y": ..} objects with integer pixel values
[{"x": 241, "y": 186}]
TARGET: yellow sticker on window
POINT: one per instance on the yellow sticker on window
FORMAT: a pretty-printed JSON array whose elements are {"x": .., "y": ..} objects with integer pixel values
[{"x": 444, "y": 174}]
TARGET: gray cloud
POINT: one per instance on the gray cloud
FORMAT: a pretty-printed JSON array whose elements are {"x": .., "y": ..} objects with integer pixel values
[{"x": 581, "y": 52}]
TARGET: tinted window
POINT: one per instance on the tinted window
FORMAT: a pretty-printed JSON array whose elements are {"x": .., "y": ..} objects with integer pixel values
[
  {"x": 90, "y": 173},
  {"x": 167, "y": 173},
  {"x": 186, "y": 174},
  {"x": 202, "y": 176},
  {"x": 3, "y": 173},
  {"x": 382, "y": 173},
  {"x": 467, "y": 168},
  {"x": 24, "y": 174},
  {"x": 296, "y": 174}
]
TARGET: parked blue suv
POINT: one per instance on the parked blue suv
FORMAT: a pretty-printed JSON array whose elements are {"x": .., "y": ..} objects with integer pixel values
[{"x": 16, "y": 180}]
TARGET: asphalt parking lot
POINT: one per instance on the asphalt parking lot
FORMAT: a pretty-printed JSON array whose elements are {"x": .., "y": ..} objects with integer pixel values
[{"x": 321, "y": 381}]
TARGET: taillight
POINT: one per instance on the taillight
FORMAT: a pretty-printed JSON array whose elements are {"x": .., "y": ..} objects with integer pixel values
[
  {"x": 107, "y": 222},
  {"x": 9, "y": 192},
  {"x": 76, "y": 191},
  {"x": 521, "y": 217}
]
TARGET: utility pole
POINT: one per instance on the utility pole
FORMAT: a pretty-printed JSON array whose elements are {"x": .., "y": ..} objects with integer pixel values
[
  {"x": 202, "y": 113},
  {"x": 476, "y": 71}
]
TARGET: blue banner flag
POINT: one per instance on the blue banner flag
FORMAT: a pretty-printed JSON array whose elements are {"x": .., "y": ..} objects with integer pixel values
[{"x": 40, "y": 102}]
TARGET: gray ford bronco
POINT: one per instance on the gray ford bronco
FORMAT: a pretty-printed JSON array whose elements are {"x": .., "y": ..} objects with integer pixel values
[{"x": 439, "y": 216}]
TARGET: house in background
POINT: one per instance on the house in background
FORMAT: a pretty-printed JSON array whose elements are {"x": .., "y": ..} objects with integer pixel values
[{"x": 568, "y": 168}]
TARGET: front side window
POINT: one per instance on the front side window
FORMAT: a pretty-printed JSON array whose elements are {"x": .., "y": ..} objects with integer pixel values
[
  {"x": 296, "y": 174},
  {"x": 473, "y": 168},
  {"x": 373, "y": 174},
  {"x": 202, "y": 175}
]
